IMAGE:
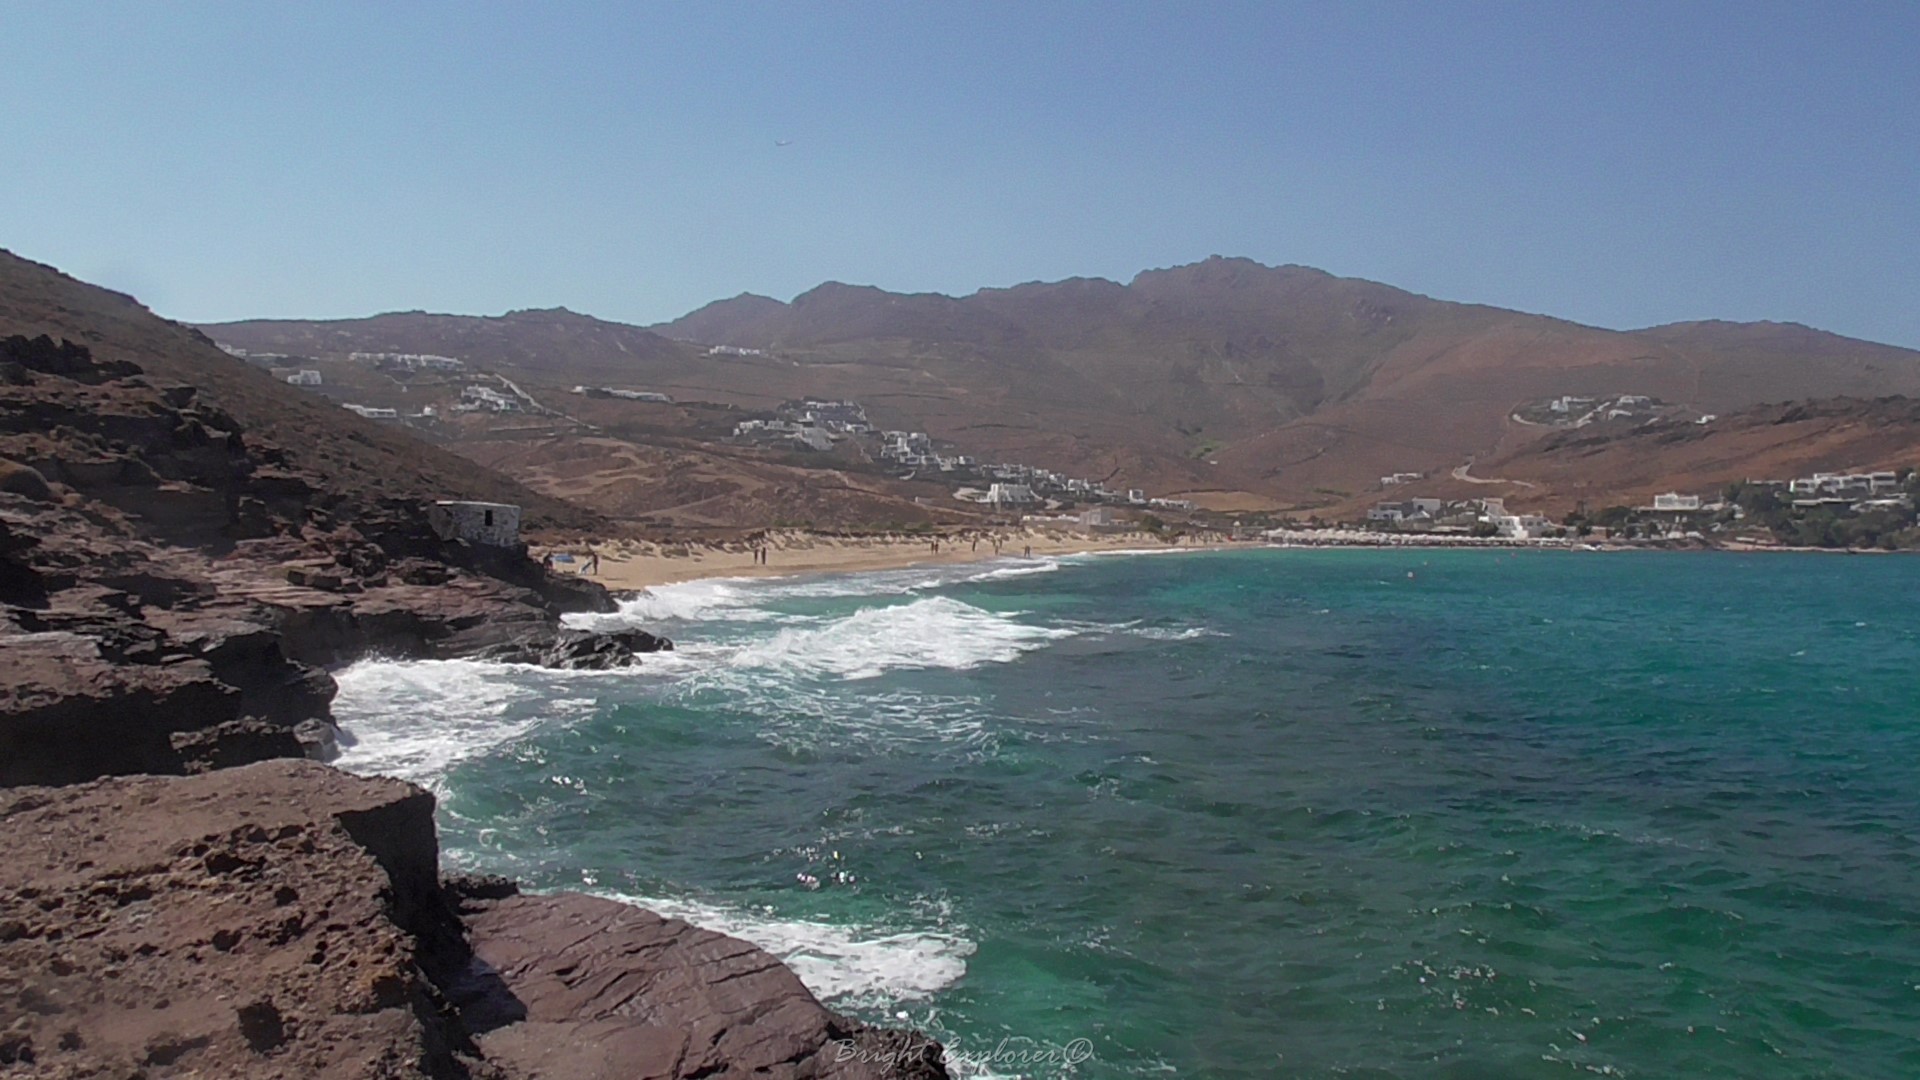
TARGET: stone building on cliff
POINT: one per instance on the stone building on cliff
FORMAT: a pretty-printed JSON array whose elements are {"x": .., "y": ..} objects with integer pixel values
[{"x": 494, "y": 524}]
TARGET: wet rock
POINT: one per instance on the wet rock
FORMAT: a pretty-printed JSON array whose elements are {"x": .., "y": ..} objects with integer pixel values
[
  {"x": 579, "y": 650},
  {"x": 285, "y": 919},
  {"x": 319, "y": 739},
  {"x": 557, "y": 979}
]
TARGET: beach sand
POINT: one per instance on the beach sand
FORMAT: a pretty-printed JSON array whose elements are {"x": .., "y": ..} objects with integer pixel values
[{"x": 632, "y": 565}]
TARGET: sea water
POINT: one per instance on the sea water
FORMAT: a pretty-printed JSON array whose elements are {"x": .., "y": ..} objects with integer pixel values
[{"x": 1466, "y": 814}]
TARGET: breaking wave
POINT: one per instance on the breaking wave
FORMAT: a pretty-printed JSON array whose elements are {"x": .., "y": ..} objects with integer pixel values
[
  {"x": 708, "y": 600},
  {"x": 848, "y": 966},
  {"x": 935, "y": 632},
  {"x": 416, "y": 719}
]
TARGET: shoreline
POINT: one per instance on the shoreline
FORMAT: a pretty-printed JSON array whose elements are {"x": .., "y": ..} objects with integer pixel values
[{"x": 631, "y": 566}]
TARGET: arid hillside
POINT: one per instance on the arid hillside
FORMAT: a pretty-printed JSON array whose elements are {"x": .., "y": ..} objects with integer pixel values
[
  {"x": 659, "y": 465},
  {"x": 1768, "y": 442},
  {"x": 1232, "y": 383},
  {"x": 356, "y": 458}
]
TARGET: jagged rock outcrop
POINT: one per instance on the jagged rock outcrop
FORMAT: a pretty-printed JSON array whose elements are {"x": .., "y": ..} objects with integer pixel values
[
  {"x": 161, "y": 573},
  {"x": 578, "y": 650},
  {"x": 287, "y": 920}
]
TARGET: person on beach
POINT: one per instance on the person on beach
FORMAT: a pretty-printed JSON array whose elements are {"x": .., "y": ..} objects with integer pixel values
[
  {"x": 546, "y": 561},
  {"x": 593, "y": 561},
  {"x": 1028, "y": 553}
]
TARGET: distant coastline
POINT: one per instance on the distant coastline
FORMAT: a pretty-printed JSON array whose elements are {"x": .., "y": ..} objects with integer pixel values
[{"x": 631, "y": 565}]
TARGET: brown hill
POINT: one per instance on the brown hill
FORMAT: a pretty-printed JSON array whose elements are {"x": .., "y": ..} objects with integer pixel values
[
  {"x": 1238, "y": 383},
  {"x": 358, "y": 459},
  {"x": 1768, "y": 442},
  {"x": 660, "y": 466}
]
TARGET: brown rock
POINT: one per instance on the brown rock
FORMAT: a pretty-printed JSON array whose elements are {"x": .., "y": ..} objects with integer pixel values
[
  {"x": 284, "y": 920},
  {"x": 68, "y": 714},
  {"x": 585, "y": 988}
]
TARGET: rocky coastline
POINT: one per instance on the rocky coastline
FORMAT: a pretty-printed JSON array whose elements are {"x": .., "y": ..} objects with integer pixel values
[{"x": 186, "y": 892}]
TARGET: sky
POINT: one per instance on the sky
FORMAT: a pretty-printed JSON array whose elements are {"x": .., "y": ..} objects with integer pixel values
[{"x": 1620, "y": 164}]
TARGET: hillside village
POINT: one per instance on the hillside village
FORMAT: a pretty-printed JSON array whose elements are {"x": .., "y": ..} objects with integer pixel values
[
  {"x": 820, "y": 425},
  {"x": 1825, "y": 509},
  {"x": 1820, "y": 509}
]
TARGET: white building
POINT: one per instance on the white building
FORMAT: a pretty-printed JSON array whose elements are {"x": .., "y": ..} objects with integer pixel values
[
  {"x": 371, "y": 412},
  {"x": 494, "y": 524},
  {"x": 813, "y": 438},
  {"x": 484, "y": 398},
  {"x": 1523, "y": 526},
  {"x": 1673, "y": 500},
  {"x": 304, "y": 378},
  {"x": 1011, "y": 495}
]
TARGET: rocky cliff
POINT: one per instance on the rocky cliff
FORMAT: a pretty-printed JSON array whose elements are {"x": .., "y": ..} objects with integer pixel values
[
  {"x": 179, "y": 567},
  {"x": 173, "y": 587},
  {"x": 287, "y": 920}
]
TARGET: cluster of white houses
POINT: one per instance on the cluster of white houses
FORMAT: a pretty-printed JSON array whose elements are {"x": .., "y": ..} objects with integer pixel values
[
  {"x": 815, "y": 425},
  {"x": 1856, "y": 490},
  {"x": 485, "y": 399},
  {"x": 409, "y": 361},
  {"x": 1569, "y": 410},
  {"x": 809, "y": 424},
  {"x": 1832, "y": 488},
  {"x": 1461, "y": 515}
]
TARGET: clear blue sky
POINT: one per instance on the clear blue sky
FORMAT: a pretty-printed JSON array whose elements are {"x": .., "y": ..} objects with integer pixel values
[{"x": 1621, "y": 164}]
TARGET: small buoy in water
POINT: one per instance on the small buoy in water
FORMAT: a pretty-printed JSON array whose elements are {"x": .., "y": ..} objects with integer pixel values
[{"x": 1409, "y": 575}]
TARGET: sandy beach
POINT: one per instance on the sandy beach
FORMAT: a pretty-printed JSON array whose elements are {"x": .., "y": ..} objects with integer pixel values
[{"x": 632, "y": 565}]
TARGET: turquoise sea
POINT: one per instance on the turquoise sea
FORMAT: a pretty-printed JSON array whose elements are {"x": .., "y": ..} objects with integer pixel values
[{"x": 1463, "y": 814}]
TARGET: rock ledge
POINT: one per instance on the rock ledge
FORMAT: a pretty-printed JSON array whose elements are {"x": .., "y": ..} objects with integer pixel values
[{"x": 285, "y": 919}]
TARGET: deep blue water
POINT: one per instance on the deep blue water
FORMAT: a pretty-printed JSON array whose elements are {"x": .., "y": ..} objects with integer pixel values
[{"x": 1471, "y": 814}]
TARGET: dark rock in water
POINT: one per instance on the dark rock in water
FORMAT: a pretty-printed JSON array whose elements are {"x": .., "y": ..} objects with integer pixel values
[
  {"x": 286, "y": 919},
  {"x": 578, "y": 650},
  {"x": 319, "y": 739}
]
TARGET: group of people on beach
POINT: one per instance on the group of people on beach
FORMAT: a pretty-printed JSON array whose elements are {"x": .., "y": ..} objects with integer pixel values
[{"x": 590, "y": 565}]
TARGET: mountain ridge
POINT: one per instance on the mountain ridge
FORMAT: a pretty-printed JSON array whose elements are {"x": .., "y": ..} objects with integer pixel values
[{"x": 1287, "y": 383}]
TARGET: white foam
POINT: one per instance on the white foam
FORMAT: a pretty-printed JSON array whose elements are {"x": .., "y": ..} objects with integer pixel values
[
  {"x": 935, "y": 632},
  {"x": 846, "y": 965},
  {"x": 739, "y": 599},
  {"x": 1172, "y": 633},
  {"x": 706, "y": 600},
  {"x": 416, "y": 719}
]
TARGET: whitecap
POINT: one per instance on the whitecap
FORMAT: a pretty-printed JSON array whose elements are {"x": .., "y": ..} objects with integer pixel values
[
  {"x": 935, "y": 632},
  {"x": 1174, "y": 633},
  {"x": 705, "y": 600},
  {"x": 416, "y": 719},
  {"x": 849, "y": 966}
]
